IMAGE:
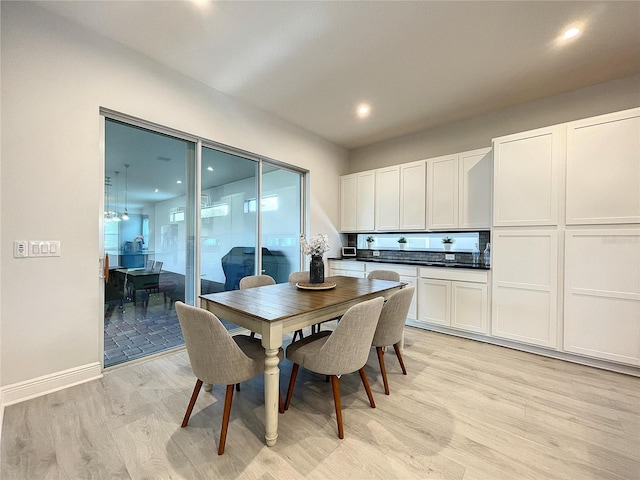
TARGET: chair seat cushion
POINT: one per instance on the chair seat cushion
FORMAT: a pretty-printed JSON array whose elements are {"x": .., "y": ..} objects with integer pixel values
[
  {"x": 252, "y": 347},
  {"x": 307, "y": 347}
]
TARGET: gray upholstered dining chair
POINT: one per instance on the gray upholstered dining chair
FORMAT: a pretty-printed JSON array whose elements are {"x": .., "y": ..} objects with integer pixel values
[
  {"x": 253, "y": 281},
  {"x": 217, "y": 358},
  {"x": 345, "y": 350},
  {"x": 384, "y": 275},
  {"x": 390, "y": 328}
]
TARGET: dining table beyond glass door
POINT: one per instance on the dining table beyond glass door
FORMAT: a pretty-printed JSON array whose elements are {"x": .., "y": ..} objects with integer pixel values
[{"x": 275, "y": 310}]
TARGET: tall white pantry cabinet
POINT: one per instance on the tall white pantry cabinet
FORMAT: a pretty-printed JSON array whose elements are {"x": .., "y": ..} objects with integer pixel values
[{"x": 566, "y": 238}]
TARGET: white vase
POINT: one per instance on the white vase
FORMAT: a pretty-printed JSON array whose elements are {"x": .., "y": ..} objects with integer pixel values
[
  {"x": 447, "y": 247},
  {"x": 402, "y": 245}
]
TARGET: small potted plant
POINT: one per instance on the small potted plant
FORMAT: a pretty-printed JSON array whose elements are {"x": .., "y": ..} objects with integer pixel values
[
  {"x": 447, "y": 242},
  {"x": 370, "y": 240},
  {"x": 402, "y": 242}
]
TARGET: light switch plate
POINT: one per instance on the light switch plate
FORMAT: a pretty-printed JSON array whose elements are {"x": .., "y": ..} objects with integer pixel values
[{"x": 44, "y": 248}]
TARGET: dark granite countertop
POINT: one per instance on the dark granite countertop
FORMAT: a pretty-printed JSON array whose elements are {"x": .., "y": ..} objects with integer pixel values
[{"x": 419, "y": 263}]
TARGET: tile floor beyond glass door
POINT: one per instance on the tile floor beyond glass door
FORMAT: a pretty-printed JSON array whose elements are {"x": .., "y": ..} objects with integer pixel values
[{"x": 132, "y": 333}]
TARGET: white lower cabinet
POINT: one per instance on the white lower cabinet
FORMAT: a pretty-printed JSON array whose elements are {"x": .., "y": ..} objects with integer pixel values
[
  {"x": 408, "y": 274},
  {"x": 470, "y": 306},
  {"x": 602, "y": 294},
  {"x": 454, "y": 298},
  {"x": 525, "y": 286},
  {"x": 347, "y": 268}
]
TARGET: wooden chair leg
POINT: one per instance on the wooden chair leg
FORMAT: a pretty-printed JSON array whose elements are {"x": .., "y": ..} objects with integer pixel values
[
  {"x": 192, "y": 402},
  {"x": 237, "y": 387},
  {"x": 292, "y": 382},
  {"x": 365, "y": 382},
  {"x": 228, "y": 398},
  {"x": 396, "y": 347},
  {"x": 280, "y": 403},
  {"x": 335, "y": 385},
  {"x": 383, "y": 370}
]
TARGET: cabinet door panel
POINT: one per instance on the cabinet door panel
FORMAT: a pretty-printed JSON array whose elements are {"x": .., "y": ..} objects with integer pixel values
[
  {"x": 388, "y": 198},
  {"x": 412, "y": 282},
  {"x": 475, "y": 170},
  {"x": 525, "y": 286},
  {"x": 526, "y": 171},
  {"x": 603, "y": 169},
  {"x": 443, "y": 192},
  {"x": 348, "y": 199},
  {"x": 434, "y": 301},
  {"x": 365, "y": 201},
  {"x": 602, "y": 294},
  {"x": 413, "y": 197},
  {"x": 470, "y": 307}
]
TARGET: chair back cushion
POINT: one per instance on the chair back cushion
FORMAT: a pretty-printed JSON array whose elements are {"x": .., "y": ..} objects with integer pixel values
[
  {"x": 296, "y": 277},
  {"x": 215, "y": 357},
  {"x": 384, "y": 275},
  {"x": 347, "y": 349},
  {"x": 393, "y": 317},
  {"x": 253, "y": 281}
]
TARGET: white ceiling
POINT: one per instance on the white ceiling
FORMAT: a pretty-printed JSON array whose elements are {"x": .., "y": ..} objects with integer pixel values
[{"x": 419, "y": 64}]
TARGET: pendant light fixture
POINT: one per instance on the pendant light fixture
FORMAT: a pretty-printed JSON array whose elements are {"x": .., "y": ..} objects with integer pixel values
[
  {"x": 125, "y": 215},
  {"x": 107, "y": 200},
  {"x": 116, "y": 217}
]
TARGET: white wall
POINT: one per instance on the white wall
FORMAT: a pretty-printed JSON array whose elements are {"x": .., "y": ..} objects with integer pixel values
[
  {"x": 55, "y": 77},
  {"x": 478, "y": 132}
]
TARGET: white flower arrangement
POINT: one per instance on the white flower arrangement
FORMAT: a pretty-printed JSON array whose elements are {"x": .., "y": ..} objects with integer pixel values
[{"x": 317, "y": 245}]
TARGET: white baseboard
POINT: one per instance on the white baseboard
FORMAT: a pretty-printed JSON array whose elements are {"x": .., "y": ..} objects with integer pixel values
[{"x": 21, "y": 391}]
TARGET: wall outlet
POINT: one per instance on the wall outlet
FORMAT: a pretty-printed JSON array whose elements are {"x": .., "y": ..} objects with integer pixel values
[
  {"x": 449, "y": 256},
  {"x": 20, "y": 249},
  {"x": 376, "y": 253}
]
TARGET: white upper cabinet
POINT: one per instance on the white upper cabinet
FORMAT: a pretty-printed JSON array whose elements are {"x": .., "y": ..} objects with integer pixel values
[
  {"x": 603, "y": 169},
  {"x": 527, "y": 170},
  {"x": 388, "y": 198},
  {"x": 442, "y": 175},
  {"x": 413, "y": 195},
  {"x": 460, "y": 190},
  {"x": 475, "y": 170},
  {"x": 357, "y": 202}
]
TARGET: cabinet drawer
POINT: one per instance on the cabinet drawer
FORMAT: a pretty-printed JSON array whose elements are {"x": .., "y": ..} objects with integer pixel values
[
  {"x": 455, "y": 274},
  {"x": 402, "y": 270},
  {"x": 350, "y": 265}
]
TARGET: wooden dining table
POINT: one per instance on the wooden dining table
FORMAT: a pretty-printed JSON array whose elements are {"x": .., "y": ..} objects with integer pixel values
[{"x": 275, "y": 310}]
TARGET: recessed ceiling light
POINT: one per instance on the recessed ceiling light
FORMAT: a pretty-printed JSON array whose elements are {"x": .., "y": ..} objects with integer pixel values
[
  {"x": 363, "y": 110},
  {"x": 210, "y": 169},
  {"x": 156, "y": 190},
  {"x": 179, "y": 181},
  {"x": 571, "y": 33}
]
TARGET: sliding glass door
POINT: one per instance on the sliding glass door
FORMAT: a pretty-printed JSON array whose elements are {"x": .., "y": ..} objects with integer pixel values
[
  {"x": 281, "y": 221},
  {"x": 147, "y": 223},
  {"x": 183, "y": 219}
]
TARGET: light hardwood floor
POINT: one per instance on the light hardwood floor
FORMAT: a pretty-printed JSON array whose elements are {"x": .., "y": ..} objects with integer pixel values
[{"x": 466, "y": 410}]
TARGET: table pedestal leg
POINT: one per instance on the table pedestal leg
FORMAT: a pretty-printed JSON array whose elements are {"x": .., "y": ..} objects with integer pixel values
[{"x": 271, "y": 391}]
